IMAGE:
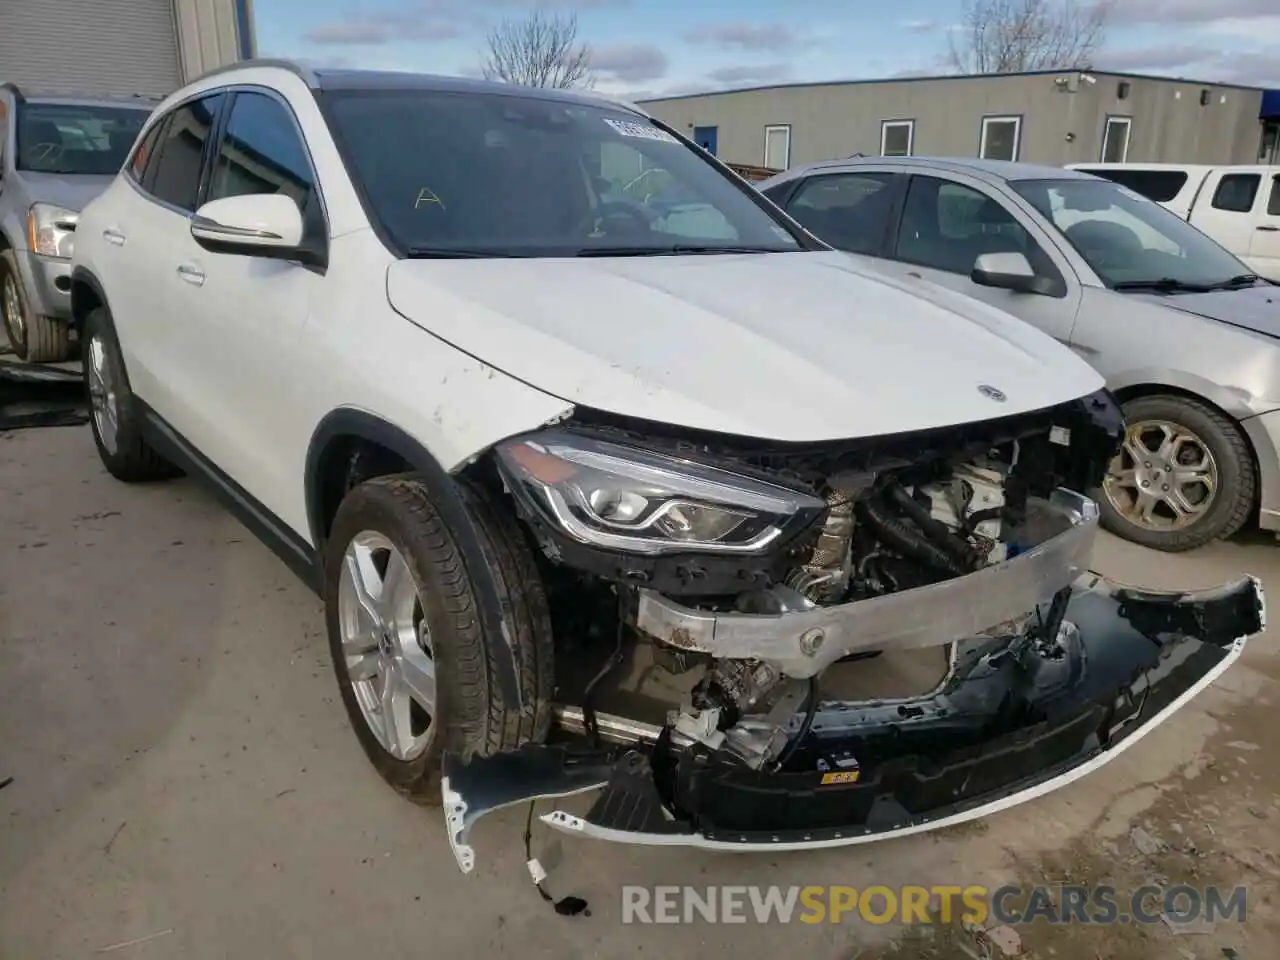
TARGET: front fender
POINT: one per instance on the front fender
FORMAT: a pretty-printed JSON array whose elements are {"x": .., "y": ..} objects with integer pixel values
[{"x": 447, "y": 500}]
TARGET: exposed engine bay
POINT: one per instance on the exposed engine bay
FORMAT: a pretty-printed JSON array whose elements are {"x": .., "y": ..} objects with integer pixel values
[{"x": 751, "y": 573}]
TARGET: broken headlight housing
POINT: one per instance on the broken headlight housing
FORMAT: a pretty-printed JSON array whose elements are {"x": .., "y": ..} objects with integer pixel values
[{"x": 626, "y": 498}]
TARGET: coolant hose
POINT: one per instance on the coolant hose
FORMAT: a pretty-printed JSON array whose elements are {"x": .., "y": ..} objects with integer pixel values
[
  {"x": 905, "y": 540},
  {"x": 933, "y": 528}
]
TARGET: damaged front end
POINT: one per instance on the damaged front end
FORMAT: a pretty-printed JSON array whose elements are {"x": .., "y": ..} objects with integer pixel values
[{"x": 760, "y": 585}]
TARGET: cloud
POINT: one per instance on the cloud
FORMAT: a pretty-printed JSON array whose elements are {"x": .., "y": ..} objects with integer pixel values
[
  {"x": 1200, "y": 62},
  {"x": 1129, "y": 12},
  {"x": 425, "y": 20},
  {"x": 751, "y": 74},
  {"x": 774, "y": 37},
  {"x": 629, "y": 62},
  {"x": 922, "y": 26}
]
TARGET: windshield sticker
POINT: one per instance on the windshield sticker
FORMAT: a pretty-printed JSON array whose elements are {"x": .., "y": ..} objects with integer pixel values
[
  {"x": 641, "y": 131},
  {"x": 427, "y": 195}
]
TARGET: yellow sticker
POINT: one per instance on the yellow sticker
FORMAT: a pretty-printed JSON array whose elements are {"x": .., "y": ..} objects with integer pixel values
[{"x": 840, "y": 776}]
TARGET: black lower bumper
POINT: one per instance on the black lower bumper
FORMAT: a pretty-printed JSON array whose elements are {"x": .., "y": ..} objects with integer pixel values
[{"x": 1014, "y": 719}]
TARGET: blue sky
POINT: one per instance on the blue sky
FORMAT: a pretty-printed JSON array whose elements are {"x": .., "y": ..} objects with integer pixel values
[{"x": 655, "y": 47}]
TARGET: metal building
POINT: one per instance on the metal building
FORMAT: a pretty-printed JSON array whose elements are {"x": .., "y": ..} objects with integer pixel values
[
  {"x": 120, "y": 47},
  {"x": 1047, "y": 117}
]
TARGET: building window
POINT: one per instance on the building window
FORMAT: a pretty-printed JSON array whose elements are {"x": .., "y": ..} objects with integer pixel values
[
  {"x": 1236, "y": 192},
  {"x": 897, "y": 138},
  {"x": 1115, "y": 140},
  {"x": 1000, "y": 138},
  {"x": 777, "y": 146}
]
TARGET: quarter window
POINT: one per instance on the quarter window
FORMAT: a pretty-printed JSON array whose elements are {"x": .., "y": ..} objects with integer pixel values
[
  {"x": 142, "y": 153},
  {"x": 1236, "y": 192},
  {"x": 897, "y": 138},
  {"x": 847, "y": 210},
  {"x": 1000, "y": 138},
  {"x": 261, "y": 153},
  {"x": 173, "y": 171},
  {"x": 1115, "y": 140}
]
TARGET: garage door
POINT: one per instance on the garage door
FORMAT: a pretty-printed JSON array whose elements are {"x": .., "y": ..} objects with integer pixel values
[{"x": 98, "y": 47}]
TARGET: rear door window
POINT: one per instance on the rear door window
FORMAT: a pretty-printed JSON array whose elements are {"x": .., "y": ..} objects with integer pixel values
[
  {"x": 850, "y": 211},
  {"x": 1236, "y": 192},
  {"x": 173, "y": 169}
]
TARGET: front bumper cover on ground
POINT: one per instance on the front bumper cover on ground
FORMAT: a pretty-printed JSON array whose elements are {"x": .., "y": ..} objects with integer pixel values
[{"x": 1012, "y": 721}]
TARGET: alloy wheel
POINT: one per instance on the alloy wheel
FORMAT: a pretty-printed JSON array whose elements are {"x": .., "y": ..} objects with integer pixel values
[
  {"x": 15, "y": 322},
  {"x": 1164, "y": 478},
  {"x": 386, "y": 645},
  {"x": 104, "y": 403}
]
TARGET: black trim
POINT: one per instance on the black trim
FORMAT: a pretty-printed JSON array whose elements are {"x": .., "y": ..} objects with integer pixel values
[
  {"x": 299, "y": 555},
  {"x": 82, "y": 275},
  {"x": 442, "y": 489}
]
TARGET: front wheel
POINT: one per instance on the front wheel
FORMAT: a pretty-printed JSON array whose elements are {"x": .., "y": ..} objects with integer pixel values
[
  {"x": 1184, "y": 475},
  {"x": 34, "y": 338},
  {"x": 407, "y": 640}
]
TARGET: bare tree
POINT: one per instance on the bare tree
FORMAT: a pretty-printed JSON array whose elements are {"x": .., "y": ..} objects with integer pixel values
[
  {"x": 540, "y": 51},
  {"x": 1012, "y": 36}
]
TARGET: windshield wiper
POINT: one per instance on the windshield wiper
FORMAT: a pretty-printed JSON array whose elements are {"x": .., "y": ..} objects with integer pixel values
[
  {"x": 677, "y": 249},
  {"x": 451, "y": 253},
  {"x": 1243, "y": 280},
  {"x": 1163, "y": 285}
]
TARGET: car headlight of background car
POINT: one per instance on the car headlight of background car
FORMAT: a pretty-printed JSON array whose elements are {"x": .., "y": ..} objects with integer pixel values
[
  {"x": 51, "y": 230},
  {"x": 627, "y": 498}
]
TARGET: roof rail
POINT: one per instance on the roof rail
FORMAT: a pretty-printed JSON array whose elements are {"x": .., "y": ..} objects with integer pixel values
[
  {"x": 10, "y": 85},
  {"x": 306, "y": 74}
]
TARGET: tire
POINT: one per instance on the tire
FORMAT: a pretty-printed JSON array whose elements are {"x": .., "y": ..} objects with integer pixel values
[
  {"x": 34, "y": 338},
  {"x": 470, "y": 718},
  {"x": 126, "y": 454},
  {"x": 1231, "y": 457}
]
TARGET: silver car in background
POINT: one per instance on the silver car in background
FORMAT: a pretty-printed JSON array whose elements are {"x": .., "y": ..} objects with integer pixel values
[{"x": 1187, "y": 337}]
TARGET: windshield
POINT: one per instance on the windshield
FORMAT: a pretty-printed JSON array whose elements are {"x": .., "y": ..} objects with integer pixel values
[
  {"x": 71, "y": 138},
  {"x": 1130, "y": 240},
  {"x": 468, "y": 174}
]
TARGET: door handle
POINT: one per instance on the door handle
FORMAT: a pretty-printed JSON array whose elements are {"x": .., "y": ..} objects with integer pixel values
[
  {"x": 112, "y": 235},
  {"x": 192, "y": 274},
  {"x": 1269, "y": 229}
]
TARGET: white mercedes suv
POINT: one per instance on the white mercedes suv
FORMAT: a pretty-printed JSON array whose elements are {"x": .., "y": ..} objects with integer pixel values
[{"x": 607, "y": 471}]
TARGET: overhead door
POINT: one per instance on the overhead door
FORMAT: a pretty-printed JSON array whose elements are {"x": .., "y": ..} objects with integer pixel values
[{"x": 92, "y": 47}]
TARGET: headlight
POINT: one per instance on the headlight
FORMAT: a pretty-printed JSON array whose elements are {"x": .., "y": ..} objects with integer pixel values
[
  {"x": 52, "y": 230},
  {"x": 625, "y": 498}
]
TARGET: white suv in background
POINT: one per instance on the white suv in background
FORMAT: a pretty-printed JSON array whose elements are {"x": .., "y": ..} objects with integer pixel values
[{"x": 516, "y": 417}]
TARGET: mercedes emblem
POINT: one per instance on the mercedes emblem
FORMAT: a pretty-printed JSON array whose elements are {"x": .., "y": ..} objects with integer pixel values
[{"x": 991, "y": 393}]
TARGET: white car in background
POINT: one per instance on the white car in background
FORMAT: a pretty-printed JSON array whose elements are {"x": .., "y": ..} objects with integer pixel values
[{"x": 516, "y": 429}]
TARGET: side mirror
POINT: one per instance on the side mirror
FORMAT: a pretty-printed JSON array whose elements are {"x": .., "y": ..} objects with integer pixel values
[
  {"x": 261, "y": 225},
  {"x": 1009, "y": 271}
]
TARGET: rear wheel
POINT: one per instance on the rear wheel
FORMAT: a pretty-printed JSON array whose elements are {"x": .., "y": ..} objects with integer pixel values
[
  {"x": 35, "y": 339},
  {"x": 1184, "y": 475},
  {"x": 113, "y": 416},
  {"x": 407, "y": 640}
]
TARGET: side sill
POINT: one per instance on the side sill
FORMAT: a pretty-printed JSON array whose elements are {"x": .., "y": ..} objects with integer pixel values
[{"x": 296, "y": 553}]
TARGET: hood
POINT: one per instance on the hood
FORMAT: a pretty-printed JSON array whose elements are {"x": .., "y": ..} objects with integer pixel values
[
  {"x": 1255, "y": 308},
  {"x": 70, "y": 190},
  {"x": 786, "y": 346}
]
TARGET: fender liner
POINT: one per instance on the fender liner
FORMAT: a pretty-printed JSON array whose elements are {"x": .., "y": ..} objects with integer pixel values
[
  {"x": 85, "y": 276},
  {"x": 444, "y": 494}
]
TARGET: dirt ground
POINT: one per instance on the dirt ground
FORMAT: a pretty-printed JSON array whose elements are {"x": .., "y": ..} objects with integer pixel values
[{"x": 185, "y": 783}]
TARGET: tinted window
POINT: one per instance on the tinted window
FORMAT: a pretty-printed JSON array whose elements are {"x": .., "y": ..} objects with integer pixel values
[
  {"x": 1127, "y": 238},
  {"x": 71, "y": 139},
  {"x": 173, "y": 172},
  {"x": 506, "y": 175},
  {"x": 261, "y": 152},
  {"x": 1236, "y": 192},
  {"x": 1157, "y": 185},
  {"x": 847, "y": 210},
  {"x": 948, "y": 225},
  {"x": 1273, "y": 203},
  {"x": 138, "y": 164}
]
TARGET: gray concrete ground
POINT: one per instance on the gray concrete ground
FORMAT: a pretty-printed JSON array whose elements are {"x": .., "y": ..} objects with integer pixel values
[{"x": 183, "y": 771}]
